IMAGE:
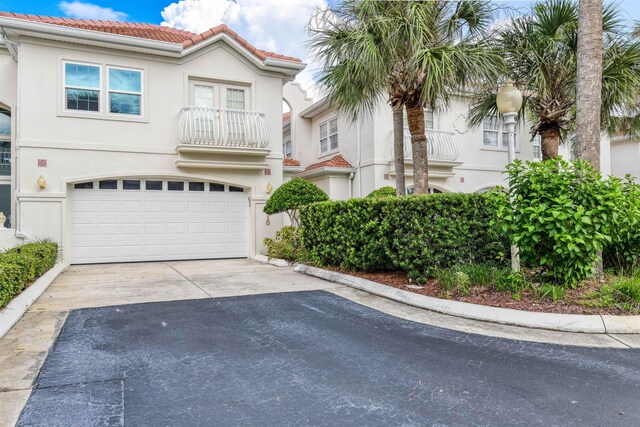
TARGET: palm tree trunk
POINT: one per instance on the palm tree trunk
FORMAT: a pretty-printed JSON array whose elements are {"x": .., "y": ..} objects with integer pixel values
[
  {"x": 549, "y": 141},
  {"x": 398, "y": 149},
  {"x": 589, "y": 81},
  {"x": 415, "y": 119}
]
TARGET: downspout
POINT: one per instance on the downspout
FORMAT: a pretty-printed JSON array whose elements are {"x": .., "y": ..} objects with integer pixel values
[{"x": 351, "y": 176}]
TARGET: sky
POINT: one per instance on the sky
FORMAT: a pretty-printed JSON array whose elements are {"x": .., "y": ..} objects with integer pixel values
[{"x": 275, "y": 25}]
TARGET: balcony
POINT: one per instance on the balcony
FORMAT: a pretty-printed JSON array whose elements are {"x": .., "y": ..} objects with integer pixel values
[
  {"x": 234, "y": 134},
  {"x": 442, "y": 153},
  {"x": 440, "y": 145}
]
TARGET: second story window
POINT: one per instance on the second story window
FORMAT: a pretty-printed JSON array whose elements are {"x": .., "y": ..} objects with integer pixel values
[
  {"x": 429, "y": 122},
  {"x": 494, "y": 133},
  {"x": 329, "y": 135},
  {"x": 537, "y": 148},
  {"x": 82, "y": 87},
  {"x": 125, "y": 91},
  {"x": 287, "y": 149},
  {"x": 235, "y": 99}
]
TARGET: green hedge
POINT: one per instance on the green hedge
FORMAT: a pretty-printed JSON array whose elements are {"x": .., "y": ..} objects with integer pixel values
[
  {"x": 417, "y": 234},
  {"x": 22, "y": 265}
]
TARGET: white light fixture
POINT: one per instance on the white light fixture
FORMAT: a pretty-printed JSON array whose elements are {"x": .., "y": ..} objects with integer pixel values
[
  {"x": 42, "y": 182},
  {"x": 509, "y": 99}
]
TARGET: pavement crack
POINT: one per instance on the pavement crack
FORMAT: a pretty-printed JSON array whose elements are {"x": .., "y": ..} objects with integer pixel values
[
  {"x": 189, "y": 280},
  {"x": 620, "y": 341}
]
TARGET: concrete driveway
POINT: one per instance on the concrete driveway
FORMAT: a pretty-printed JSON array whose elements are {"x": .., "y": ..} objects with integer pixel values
[{"x": 271, "y": 355}]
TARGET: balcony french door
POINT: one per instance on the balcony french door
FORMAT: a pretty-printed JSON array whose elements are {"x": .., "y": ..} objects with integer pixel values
[{"x": 212, "y": 97}]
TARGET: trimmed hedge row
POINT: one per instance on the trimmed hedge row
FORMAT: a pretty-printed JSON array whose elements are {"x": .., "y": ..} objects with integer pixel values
[
  {"x": 417, "y": 234},
  {"x": 22, "y": 265}
]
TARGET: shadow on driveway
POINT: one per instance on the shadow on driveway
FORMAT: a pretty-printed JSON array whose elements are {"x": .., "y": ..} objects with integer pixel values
[{"x": 313, "y": 358}]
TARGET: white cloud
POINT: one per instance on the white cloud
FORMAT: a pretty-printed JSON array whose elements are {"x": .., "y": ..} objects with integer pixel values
[
  {"x": 275, "y": 25},
  {"x": 78, "y": 9}
]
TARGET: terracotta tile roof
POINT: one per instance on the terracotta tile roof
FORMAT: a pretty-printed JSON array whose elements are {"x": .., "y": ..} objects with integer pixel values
[
  {"x": 335, "y": 162},
  {"x": 290, "y": 162},
  {"x": 286, "y": 116},
  {"x": 150, "y": 32}
]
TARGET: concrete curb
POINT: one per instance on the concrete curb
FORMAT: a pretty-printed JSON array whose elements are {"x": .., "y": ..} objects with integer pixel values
[
  {"x": 10, "y": 315},
  {"x": 273, "y": 261},
  {"x": 551, "y": 321}
]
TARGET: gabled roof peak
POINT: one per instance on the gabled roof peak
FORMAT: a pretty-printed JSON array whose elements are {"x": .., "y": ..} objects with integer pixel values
[{"x": 150, "y": 32}]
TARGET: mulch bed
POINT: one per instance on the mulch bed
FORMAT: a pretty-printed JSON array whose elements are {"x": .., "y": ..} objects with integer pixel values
[{"x": 489, "y": 297}]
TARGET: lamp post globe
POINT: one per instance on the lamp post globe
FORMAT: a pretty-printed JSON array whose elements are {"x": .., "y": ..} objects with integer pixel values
[{"x": 509, "y": 99}]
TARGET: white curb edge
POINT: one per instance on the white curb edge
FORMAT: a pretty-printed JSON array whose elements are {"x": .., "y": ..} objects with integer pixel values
[
  {"x": 273, "y": 261},
  {"x": 552, "y": 321},
  {"x": 10, "y": 315}
]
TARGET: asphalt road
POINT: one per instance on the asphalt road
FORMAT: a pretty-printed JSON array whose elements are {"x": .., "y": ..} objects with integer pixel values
[{"x": 312, "y": 358}]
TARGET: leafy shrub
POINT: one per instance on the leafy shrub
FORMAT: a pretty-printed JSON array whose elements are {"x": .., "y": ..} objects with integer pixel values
[
  {"x": 291, "y": 196},
  {"x": 22, "y": 265},
  {"x": 559, "y": 214},
  {"x": 550, "y": 292},
  {"x": 287, "y": 244},
  {"x": 418, "y": 234},
  {"x": 383, "y": 192},
  {"x": 622, "y": 254}
]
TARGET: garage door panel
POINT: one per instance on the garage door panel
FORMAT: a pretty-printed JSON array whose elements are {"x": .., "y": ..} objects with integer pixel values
[{"x": 117, "y": 225}]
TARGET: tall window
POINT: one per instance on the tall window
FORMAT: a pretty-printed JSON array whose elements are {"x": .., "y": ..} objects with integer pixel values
[
  {"x": 236, "y": 117},
  {"x": 429, "y": 122},
  {"x": 82, "y": 87},
  {"x": 494, "y": 133},
  {"x": 537, "y": 148},
  {"x": 287, "y": 148},
  {"x": 329, "y": 135},
  {"x": 125, "y": 91}
]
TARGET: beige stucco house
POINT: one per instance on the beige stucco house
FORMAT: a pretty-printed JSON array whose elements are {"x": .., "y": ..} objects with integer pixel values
[
  {"x": 137, "y": 142},
  {"x": 349, "y": 158}
]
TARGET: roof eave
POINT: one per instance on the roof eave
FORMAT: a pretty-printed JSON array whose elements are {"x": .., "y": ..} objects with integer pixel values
[
  {"x": 315, "y": 109},
  {"x": 326, "y": 170},
  {"x": 78, "y": 35}
]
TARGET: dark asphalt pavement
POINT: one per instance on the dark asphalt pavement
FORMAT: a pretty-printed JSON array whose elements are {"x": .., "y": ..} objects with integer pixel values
[{"x": 313, "y": 358}]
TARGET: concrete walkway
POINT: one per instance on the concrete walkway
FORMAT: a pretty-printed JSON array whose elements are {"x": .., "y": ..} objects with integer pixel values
[{"x": 24, "y": 348}]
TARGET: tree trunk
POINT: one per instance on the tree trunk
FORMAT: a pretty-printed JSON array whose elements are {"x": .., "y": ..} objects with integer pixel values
[
  {"x": 415, "y": 119},
  {"x": 398, "y": 149},
  {"x": 549, "y": 141},
  {"x": 589, "y": 81}
]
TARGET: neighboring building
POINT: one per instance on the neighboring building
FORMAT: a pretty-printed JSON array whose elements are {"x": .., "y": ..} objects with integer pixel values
[
  {"x": 149, "y": 142},
  {"x": 625, "y": 156},
  {"x": 351, "y": 159}
]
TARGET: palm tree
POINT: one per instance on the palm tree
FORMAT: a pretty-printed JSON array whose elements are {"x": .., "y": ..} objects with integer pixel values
[
  {"x": 589, "y": 81},
  {"x": 415, "y": 53},
  {"x": 540, "y": 51}
]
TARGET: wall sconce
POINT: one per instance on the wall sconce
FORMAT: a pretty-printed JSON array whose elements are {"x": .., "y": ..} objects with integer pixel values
[
  {"x": 42, "y": 182},
  {"x": 269, "y": 188}
]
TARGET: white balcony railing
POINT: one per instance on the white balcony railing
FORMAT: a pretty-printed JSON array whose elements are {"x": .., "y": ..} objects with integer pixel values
[
  {"x": 222, "y": 127},
  {"x": 440, "y": 145}
]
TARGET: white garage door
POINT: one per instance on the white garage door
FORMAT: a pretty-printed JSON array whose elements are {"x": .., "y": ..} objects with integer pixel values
[{"x": 151, "y": 220}]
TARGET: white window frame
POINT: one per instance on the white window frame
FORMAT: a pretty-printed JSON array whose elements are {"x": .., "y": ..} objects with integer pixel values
[
  {"x": 502, "y": 145},
  {"x": 99, "y": 89},
  {"x": 284, "y": 148},
  {"x": 328, "y": 136},
  {"x": 108, "y": 92},
  {"x": 537, "y": 147}
]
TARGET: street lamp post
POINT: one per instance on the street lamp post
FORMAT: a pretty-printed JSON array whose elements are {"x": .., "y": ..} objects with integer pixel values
[{"x": 509, "y": 102}]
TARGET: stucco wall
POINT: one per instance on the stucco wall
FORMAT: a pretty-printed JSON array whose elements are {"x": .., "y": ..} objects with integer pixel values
[{"x": 81, "y": 148}]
